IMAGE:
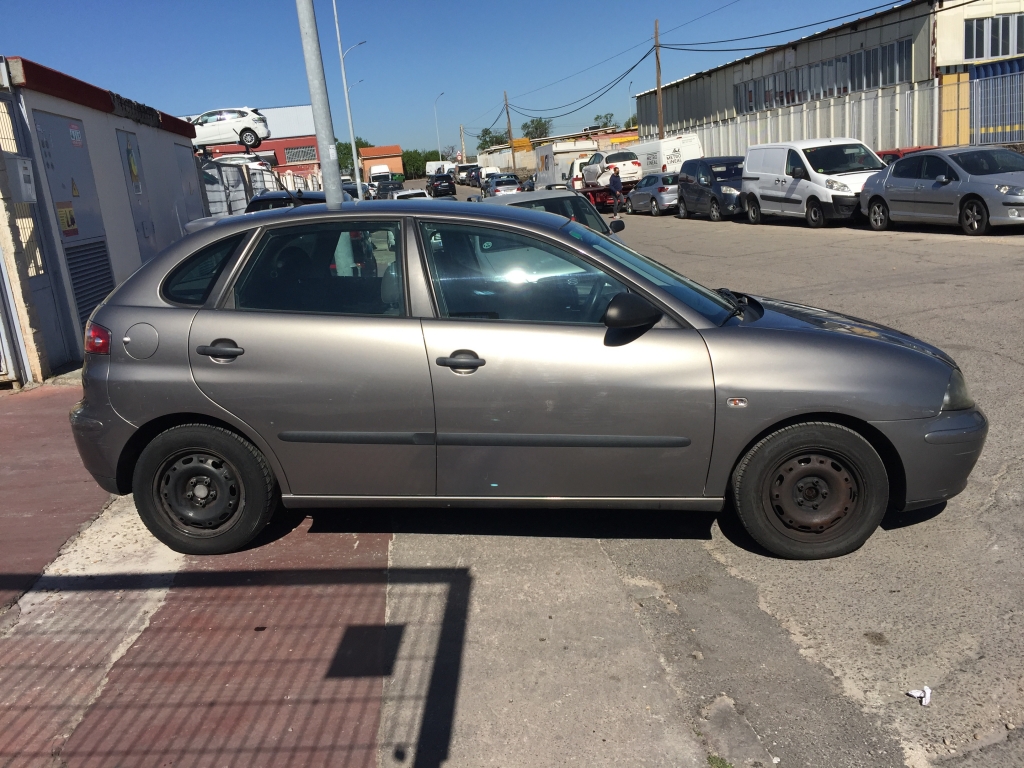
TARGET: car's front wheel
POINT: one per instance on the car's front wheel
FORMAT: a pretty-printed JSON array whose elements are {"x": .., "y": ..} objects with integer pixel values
[
  {"x": 814, "y": 214},
  {"x": 683, "y": 213},
  {"x": 878, "y": 215},
  {"x": 715, "y": 211},
  {"x": 629, "y": 206},
  {"x": 974, "y": 218},
  {"x": 811, "y": 491},
  {"x": 203, "y": 490}
]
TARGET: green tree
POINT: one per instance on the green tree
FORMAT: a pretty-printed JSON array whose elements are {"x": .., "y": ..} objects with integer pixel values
[
  {"x": 345, "y": 151},
  {"x": 415, "y": 162},
  {"x": 489, "y": 138},
  {"x": 631, "y": 122},
  {"x": 537, "y": 128},
  {"x": 607, "y": 120}
]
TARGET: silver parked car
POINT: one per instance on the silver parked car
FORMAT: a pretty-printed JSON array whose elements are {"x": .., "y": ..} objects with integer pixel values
[
  {"x": 501, "y": 185},
  {"x": 655, "y": 193},
  {"x": 420, "y": 353},
  {"x": 974, "y": 187}
]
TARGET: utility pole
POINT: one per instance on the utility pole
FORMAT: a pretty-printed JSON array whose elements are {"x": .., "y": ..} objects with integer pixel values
[
  {"x": 511, "y": 147},
  {"x": 657, "y": 68},
  {"x": 462, "y": 139},
  {"x": 321, "y": 106}
]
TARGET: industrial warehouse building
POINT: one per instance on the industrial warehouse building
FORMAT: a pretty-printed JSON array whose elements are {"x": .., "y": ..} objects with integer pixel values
[{"x": 928, "y": 72}]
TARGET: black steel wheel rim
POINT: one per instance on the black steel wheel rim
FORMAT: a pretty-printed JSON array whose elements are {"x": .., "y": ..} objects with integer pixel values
[
  {"x": 200, "y": 492},
  {"x": 814, "y": 214},
  {"x": 813, "y": 495}
]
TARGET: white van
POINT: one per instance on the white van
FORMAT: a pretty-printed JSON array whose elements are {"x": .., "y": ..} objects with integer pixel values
[
  {"x": 818, "y": 179},
  {"x": 487, "y": 170},
  {"x": 554, "y": 161},
  {"x": 667, "y": 155},
  {"x": 380, "y": 173}
]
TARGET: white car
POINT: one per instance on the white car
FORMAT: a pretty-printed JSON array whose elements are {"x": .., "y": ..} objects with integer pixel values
[
  {"x": 598, "y": 170},
  {"x": 242, "y": 125},
  {"x": 406, "y": 194}
]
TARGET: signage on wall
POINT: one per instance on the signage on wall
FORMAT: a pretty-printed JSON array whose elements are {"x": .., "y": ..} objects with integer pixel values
[
  {"x": 66, "y": 217},
  {"x": 133, "y": 168},
  {"x": 134, "y": 111},
  {"x": 76, "y": 134}
]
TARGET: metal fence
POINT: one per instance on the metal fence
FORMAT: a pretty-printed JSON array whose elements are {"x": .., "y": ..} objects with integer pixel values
[{"x": 997, "y": 109}]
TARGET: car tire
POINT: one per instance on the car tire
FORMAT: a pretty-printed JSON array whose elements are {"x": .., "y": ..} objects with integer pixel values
[
  {"x": 249, "y": 138},
  {"x": 878, "y": 215},
  {"x": 240, "y": 497},
  {"x": 629, "y": 206},
  {"x": 715, "y": 210},
  {"x": 779, "y": 484},
  {"x": 814, "y": 214},
  {"x": 974, "y": 218},
  {"x": 682, "y": 213},
  {"x": 753, "y": 210},
  {"x": 655, "y": 209}
]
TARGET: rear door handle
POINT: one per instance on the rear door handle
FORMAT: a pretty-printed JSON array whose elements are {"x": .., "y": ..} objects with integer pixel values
[
  {"x": 219, "y": 351},
  {"x": 460, "y": 362}
]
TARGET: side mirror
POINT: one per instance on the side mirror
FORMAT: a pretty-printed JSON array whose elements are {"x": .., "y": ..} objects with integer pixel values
[
  {"x": 616, "y": 225},
  {"x": 941, "y": 179},
  {"x": 630, "y": 310},
  {"x": 799, "y": 172}
]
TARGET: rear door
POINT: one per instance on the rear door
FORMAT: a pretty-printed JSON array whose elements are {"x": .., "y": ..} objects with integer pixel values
[
  {"x": 901, "y": 187},
  {"x": 332, "y": 372},
  {"x": 687, "y": 181},
  {"x": 542, "y": 405},
  {"x": 641, "y": 194}
]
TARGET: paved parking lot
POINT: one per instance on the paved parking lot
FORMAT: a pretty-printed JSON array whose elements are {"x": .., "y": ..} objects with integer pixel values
[{"x": 391, "y": 637}]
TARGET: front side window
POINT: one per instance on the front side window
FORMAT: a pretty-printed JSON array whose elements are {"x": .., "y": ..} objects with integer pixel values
[
  {"x": 704, "y": 174},
  {"x": 338, "y": 268},
  {"x": 842, "y": 158},
  {"x": 694, "y": 295},
  {"x": 934, "y": 167},
  {"x": 481, "y": 273},
  {"x": 793, "y": 161},
  {"x": 191, "y": 281}
]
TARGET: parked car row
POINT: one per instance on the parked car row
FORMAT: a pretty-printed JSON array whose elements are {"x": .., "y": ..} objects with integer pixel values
[{"x": 840, "y": 179}]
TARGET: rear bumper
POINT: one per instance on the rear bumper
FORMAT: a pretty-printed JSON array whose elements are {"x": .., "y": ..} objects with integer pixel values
[{"x": 937, "y": 454}]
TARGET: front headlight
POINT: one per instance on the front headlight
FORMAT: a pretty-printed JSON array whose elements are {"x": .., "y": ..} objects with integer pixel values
[
  {"x": 836, "y": 186},
  {"x": 1008, "y": 190},
  {"x": 957, "y": 398},
  {"x": 730, "y": 191}
]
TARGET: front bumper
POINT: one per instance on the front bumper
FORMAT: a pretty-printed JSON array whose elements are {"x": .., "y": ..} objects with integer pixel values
[
  {"x": 938, "y": 454},
  {"x": 841, "y": 206}
]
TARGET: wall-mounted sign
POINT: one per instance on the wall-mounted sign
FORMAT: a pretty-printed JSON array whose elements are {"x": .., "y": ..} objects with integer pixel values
[
  {"x": 66, "y": 217},
  {"x": 76, "y": 134},
  {"x": 135, "y": 111}
]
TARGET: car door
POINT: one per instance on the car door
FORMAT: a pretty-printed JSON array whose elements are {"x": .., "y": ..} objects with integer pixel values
[
  {"x": 323, "y": 360},
  {"x": 687, "y": 180},
  {"x": 702, "y": 189},
  {"x": 901, "y": 187},
  {"x": 641, "y": 194},
  {"x": 794, "y": 190},
  {"x": 593, "y": 169},
  {"x": 531, "y": 400},
  {"x": 934, "y": 199},
  {"x": 770, "y": 189}
]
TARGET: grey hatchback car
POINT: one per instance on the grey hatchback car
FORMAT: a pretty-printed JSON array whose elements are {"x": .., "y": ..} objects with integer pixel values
[
  {"x": 975, "y": 187},
  {"x": 494, "y": 356}
]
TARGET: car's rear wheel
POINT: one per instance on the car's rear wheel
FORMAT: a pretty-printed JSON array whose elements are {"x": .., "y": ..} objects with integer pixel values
[
  {"x": 715, "y": 210},
  {"x": 655, "y": 209},
  {"x": 203, "y": 490},
  {"x": 814, "y": 214},
  {"x": 878, "y": 215},
  {"x": 753, "y": 210},
  {"x": 974, "y": 218},
  {"x": 249, "y": 138},
  {"x": 811, "y": 491}
]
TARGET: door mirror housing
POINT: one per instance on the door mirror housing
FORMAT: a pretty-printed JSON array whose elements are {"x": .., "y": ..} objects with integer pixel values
[
  {"x": 630, "y": 310},
  {"x": 616, "y": 225},
  {"x": 704, "y": 181},
  {"x": 941, "y": 179},
  {"x": 799, "y": 172}
]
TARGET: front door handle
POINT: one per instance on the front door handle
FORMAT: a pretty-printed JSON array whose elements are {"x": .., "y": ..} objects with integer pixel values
[
  {"x": 461, "y": 359},
  {"x": 219, "y": 351}
]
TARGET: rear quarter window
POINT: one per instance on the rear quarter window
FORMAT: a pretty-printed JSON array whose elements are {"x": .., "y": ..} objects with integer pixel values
[{"x": 191, "y": 282}]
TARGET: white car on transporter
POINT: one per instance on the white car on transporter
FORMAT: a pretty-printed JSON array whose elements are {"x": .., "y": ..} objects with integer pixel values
[
  {"x": 598, "y": 170},
  {"x": 241, "y": 125}
]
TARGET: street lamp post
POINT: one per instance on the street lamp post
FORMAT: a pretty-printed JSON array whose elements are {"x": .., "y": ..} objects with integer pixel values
[
  {"x": 357, "y": 82},
  {"x": 348, "y": 105},
  {"x": 629, "y": 96},
  {"x": 435, "y": 126}
]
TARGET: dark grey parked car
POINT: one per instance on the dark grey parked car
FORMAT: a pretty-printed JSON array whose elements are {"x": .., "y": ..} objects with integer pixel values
[
  {"x": 496, "y": 356},
  {"x": 711, "y": 187}
]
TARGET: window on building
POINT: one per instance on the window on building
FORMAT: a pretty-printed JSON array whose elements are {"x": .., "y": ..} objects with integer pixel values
[
  {"x": 904, "y": 61},
  {"x": 804, "y": 84},
  {"x": 1000, "y": 36},
  {"x": 857, "y": 71},
  {"x": 871, "y": 66},
  {"x": 758, "y": 95},
  {"x": 971, "y": 48},
  {"x": 828, "y": 78},
  {"x": 842, "y": 75},
  {"x": 791, "y": 87},
  {"x": 816, "y": 81},
  {"x": 888, "y": 64},
  {"x": 300, "y": 154}
]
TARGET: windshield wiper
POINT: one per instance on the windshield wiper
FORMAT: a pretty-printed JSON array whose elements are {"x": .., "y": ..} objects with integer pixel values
[{"x": 738, "y": 304}]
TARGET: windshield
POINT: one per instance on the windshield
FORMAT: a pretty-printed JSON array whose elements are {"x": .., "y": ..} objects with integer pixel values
[
  {"x": 727, "y": 171},
  {"x": 703, "y": 300},
  {"x": 573, "y": 207},
  {"x": 986, "y": 162},
  {"x": 620, "y": 157},
  {"x": 842, "y": 158}
]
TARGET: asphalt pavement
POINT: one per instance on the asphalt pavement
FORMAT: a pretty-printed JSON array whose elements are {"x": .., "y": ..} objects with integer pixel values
[{"x": 589, "y": 637}]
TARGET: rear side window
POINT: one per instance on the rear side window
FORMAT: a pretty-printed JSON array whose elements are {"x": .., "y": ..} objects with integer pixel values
[{"x": 192, "y": 280}]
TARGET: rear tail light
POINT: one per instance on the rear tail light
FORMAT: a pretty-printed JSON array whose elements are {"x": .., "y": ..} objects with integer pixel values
[
  {"x": 519, "y": 189},
  {"x": 636, "y": 163},
  {"x": 663, "y": 189},
  {"x": 97, "y": 339},
  {"x": 664, "y": 167}
]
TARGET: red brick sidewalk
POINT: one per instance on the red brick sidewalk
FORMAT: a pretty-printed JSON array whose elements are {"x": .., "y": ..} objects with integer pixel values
[{"x": 45, "y": 493}]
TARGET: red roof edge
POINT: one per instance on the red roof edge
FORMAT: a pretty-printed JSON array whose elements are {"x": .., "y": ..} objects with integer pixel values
[{"x": 36, "y": 77}]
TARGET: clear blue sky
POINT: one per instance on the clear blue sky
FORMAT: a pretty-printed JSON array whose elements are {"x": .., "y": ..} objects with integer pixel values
[{"x": 188, "y": 56}]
